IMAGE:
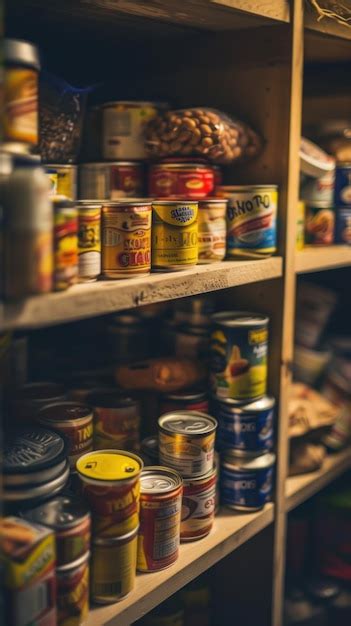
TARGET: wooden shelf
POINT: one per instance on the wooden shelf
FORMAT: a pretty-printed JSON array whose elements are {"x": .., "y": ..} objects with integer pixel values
[
  {"x": 99, "y": 298},
  {"x": 230, "y": 531},
  {"x": 326, "y": 26},
  {"x": 300, "y": 488},
  {"x": 317, "y": 259}
]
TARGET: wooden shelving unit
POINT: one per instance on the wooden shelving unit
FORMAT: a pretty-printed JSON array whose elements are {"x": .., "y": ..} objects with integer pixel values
[{"x": 246, "y": 58}]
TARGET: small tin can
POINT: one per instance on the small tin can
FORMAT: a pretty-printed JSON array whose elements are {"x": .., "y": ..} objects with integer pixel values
[
  {"x": 63, "y": 180},
  {"x": 31, "y": 397},
  {"x": 212, "y": 230},
  {"x": 111, "y": 181},
  {"x": 174, "y": 234},
  {"x": 343, "y": 225},
  {"x": 160, "y": 508},
  {"x": 319, "y": 224},
  {"x": 126, "y": 239},
  {"x": 65, "y": 243},
  {"x": 198, "y": 506},
  {"x": 246, "y": 482},
  {"x": 74, "y": 421},
  {"x": 73, "y": 592},
  {"x": 179, "y": 179},
  {"x": 189, "y": 400},
  {"x": 123, "y": 129},
  {"x": 89, "y": 240},
  {"x": 113, "y": 567},
  {"x": 300, "y": 225},
  {"x": 111, "y": 485},
  {"x": 117, "y": 420},
  {"x": 342, "y": 194},
  {"x": 239, "y": 349},
  {"x": 149, "y": 450},
  {"x": 251, "y": 219},
  {"x": 69, "y": 518},
  {"x": 186, "y": 442},
  {"x": 319, "y": 189},
  {"x": 247, "y": 427},
  {"x": 196, "y": 311}
]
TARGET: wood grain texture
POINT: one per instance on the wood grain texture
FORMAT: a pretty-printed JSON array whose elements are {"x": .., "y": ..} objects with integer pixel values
[
  {"x": 325, "y": 26},
  {"x": 317, "y": 259}
]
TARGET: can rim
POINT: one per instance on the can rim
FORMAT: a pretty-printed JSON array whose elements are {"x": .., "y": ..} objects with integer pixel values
[
  {"x": 185, "y": 396},
  {"x": 126, "y": 202},
  {"x": 20, "y": 51},
  {"x": 162, "y": 471},
  {"x": 175, "y": 201},
  {"x": 36, "y": 491},
  {"x": 211, "y": 427},
  {"x": 103, "y": 164},
  {"x": 267, "y": 401},
  {"x": 241, "y": 319},
  {"x": 61, "y": 166},
  {"x": 107, "y": 541},
  {"x": 62, "y": 569},
  {"x": 61, "y": 403},
  {"x": 250, "y": 461},
  {"x": 191, "y": 165},
  {"x": 210, "y": 474},
  {"x": 246, "y": 187},
  {"x": 210, "y": 200}
]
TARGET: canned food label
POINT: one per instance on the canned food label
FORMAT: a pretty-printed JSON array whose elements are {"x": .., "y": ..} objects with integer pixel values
[
  {"x": 80, "y": 440},
  {"x": 251, "y": 221},
  {"x": 127, "y": 241},
  {"x": 198, "y": 507},
  {"x": 63, "y": 181},
  {"x": 191, "y": 457},
  {"x": 66, "y": 247},
  {"x": 123, "y": 130},
  {"x": 193, "y": 183},
  {"x": 343, "y": 226},
  {"x": 112, "y": 181},
  {"x": 89, "y": 243},
  {"x": 320, "y": 225},
  {"x": 175, "y": 235},
  {"x": 159, "y": 533},
  {"x": 300, "y": 225},
  {"x": 319, "y": 189},
  {"x": 212, "y": 238},
  {"x": 73, "y": 543},
  {"x": 73, "y": 596},
  {"x": 115, "y": 509},
  {"x": 249, "y": 489},
  {"x": 342, "y": 194},
  {"x": 21, "y": 105},
  {"x": 252, "y": 431},
  {"x": 113, "y": 569}
]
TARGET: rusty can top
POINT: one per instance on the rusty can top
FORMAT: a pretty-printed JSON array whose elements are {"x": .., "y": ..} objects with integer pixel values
[
  {"x": 157, "y": 480},
  {"x": 192, "y": 423}
]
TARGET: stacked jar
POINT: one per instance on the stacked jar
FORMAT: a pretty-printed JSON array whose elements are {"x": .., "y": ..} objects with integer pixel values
[{"x": 239, "y": 349}]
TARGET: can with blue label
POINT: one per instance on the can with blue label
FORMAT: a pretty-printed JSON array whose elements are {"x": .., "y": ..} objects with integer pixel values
[
  {"x": 246, "y": 481},
  {"x": 238, "y": 355},
  {"x": 247, "y": 427},
  {"x": 342, "y": 194},
  {"x": 343, "y": 225}
]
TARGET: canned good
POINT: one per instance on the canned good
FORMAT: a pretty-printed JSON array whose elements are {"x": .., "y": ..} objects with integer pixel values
[
  {"x": 31, "y": 397},
  {"x": 246, "y": 482},
  {"x": 174, "y": 234},
  {"x": 111, "y": 181},
  {"x": 342, "y": 194},
  {"x": 251, "y": 219},
  {"x": 160, "y": 508},
  {"x": 74, "y": 421},
  {"x": 89, "y": 240},
  {"x": 319, "y": 189},
  {"x": 113, "y": 567},
  {"x": 195, "y": 311},
  {"x": 63, "y": 180},
  {"x": 198, "y": 506},
  {"x": 149, "y": 450},
  {"x": 65, "y": 243},
  {"x": 186, "y": 442},
  {"x": 216, "y": 466},
  {"x": 117, "y": 420},
  {"x": 20, "y": 121},
  {"x": 246, "y": 427},
  {"x": 123, "y": 128},
  {"x": 300, "y": 225},
  {"x": 73, "y": 592},
  {"x": 181, "y": 179},
  {"x": 189, "y": 400},
  {"x": 320, "y": 224},
  {"x": 110, "y": 482},
  {"x": 212, "y": 230},
  {"x": 127, "y": 338},
  {"x": 343, "y": 225},
  {"x": 239, "y": 348},
  {"x": 185, "y": 341},
  {"x": 126, "y": 239},
  {"x": 69, "y": 518}
]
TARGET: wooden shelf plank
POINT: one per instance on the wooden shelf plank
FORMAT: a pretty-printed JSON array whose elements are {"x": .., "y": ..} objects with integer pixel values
[
  {"x": 300, "y": 488},
  {"x": 230, "y": 531},
  {"x": 317, "y": 259},
  {"x": 326, "y": 26},
  {"x": 91, "y": 299}
]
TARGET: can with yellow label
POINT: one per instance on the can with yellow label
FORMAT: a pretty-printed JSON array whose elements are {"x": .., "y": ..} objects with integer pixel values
[
  {"x": 113, "y": 567},
  {"x": 174, "y": 234},
  {"x": 111, "y": 485},
  {"x": 89, "y": 240}
]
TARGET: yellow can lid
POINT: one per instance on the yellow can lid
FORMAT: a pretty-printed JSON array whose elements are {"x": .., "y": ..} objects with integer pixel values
[{"x": 109, "y": 465}]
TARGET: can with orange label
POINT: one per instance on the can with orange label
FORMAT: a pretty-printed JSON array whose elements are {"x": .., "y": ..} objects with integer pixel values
[
  {"x": 198, "y": 506},
  {"x": 181, "y": 179},
  {"x": 111, "y": 485},
  {"x": 126, "y": 239},
  {"x": 160, "y": 509}
]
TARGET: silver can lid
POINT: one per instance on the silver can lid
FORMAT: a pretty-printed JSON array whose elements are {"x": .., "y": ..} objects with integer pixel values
[
  {"x": 193, "y": 423},
  {"x": 251, "y": 460},
  {"x": 156, "y": 479},
  {"x": 60, "y": 513},
  {"x": 234, "y": 319},
  {"x": 262, "y": 404},
  {"x": 21, "y": 52}
]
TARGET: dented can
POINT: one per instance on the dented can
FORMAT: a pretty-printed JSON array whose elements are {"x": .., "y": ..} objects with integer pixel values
[
  {"x": 198, "y": 506},
  {"x": 73, "y": 592},
  {"x": 160, "y": 509},
  {"x": 113, "y": 567}
]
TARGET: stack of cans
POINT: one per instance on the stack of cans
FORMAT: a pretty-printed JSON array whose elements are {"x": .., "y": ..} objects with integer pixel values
[
  {"x": 245, "y": 414},
  {"x": 342, "y": 201}
]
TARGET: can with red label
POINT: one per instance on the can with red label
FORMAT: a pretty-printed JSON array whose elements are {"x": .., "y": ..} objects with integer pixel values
[
  {"x": 181, "y": 179},
  {"x": 73, "y": 592},
  {"x": 160, "y": 510},
  {"x": 111, "y": 181},
  {"x": 190, "y": 400},
  {"x": 198, "y": 506}
]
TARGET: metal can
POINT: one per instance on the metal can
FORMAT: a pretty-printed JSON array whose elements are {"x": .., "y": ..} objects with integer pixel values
[
  {"x": 160, "y": 508},
  {"x": 247, "y": 427},
  {"x": 216, "y": 466},
  {"x": 239, "y": 349},
  {"x": 251, "y": 219},
  {"x": 189, "y": 400},
  {"x": 319, "y": 224},
  {"x": 319, "y": 189},
  {"x": 111, "y": 181},
  {"x": 342, "y": 194},
  {"x": 127, "y": 338},
  {"x": 111, "y": 485},
  {"x": 20, "y": 120},
  {"x": 31, "y": 397},
  {"x": 300, "y": 225},
  {"x": 181, "y": 179},
  {"x": 149, "y": 450},
  {"x": 212, "y": 230},
  {"x": 73, "y": 592},
  {"x": 186, "y": 442},
  {"x": 63, "y": 180},
  {"x": 74, "y": 421},
  {"x": 126, "y": 239},
  {"x": 123, "y": 129},
  {"x": 65, "y": 243},
  {"x": 343, "y": 225},
  {"x": 117, "y": 420},
  {"x": 185, "y": 341},
  {"x": 113, "y": 567},
  {"x": 174, "y": 234},
  {"x": 246, "y": 482},
  {"x": 89, "y": 240},
  {"x": 195, "y": 311},
  {"x": 198, "y": 506},
  {"x": 69, "y": 518}
]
